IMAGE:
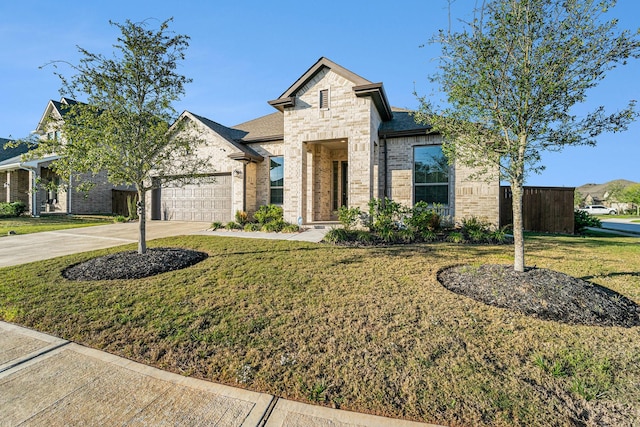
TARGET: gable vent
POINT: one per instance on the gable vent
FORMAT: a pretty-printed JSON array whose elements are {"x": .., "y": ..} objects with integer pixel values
[{"x": 324, "y": 99}]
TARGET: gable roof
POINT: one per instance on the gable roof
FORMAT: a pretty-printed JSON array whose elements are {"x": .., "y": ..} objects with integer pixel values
[
  {"x": 60, "y": 107},
  {"x": 362, "y": 87},
  {"x": 232, "y": 136}
]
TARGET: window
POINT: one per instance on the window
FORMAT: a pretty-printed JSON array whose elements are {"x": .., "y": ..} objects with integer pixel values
[
  {"x": 276, "y": 180},
  {"x": 430, "y": 175},
  {"x": 324, "y": 99}
]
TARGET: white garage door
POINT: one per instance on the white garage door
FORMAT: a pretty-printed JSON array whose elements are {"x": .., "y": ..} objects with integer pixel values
[{"x": 207, "y": 202}]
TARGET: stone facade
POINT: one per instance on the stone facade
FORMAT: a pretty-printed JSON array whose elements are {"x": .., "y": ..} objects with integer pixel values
[
  {"x": 348, "y": 150},
  {"x": 346, "y": 123}
]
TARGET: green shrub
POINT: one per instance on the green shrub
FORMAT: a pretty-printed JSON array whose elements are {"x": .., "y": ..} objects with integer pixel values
[
  {"x": 475, "y": 224},
  {"x": 499, "y": 235},
  {"x": 582, "y": 220},
  {"x": 216, "y": 225},
  {"x": 268, "y": 213},
  {"x": 290, "y": 228},
  {"x": 428, "y": 236},
  {"x": 406, "y": 235},
  {"x": 273, "y": 226},
  {"x": 455, "y": 237},
  {"x": 478, "y": 236},
  {"x": 120, "y": 218},
  {"x": 423, "y": 218},
  {"x": 252, "y": 226},
  {"x": 348, "y": 217},
  {"x": 232, "y": 225},
  {"x": 242, "y": 217},
  {"x": 363, "y": 236},
  {"x": 12, "y": 209},
  {"x": 337, "y": 235},
  {"x": 385, "y": 216}
]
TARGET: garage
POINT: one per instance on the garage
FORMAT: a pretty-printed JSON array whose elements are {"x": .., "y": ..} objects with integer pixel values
[{"x": 207, "y": 202}]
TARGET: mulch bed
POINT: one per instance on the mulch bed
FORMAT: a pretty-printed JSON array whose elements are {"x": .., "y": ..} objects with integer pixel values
[
  {"x": 542, "y": 293},
  {"x": 132, "y": 265}
]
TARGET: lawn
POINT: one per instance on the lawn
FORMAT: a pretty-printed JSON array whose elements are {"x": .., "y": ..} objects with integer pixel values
[
  {"x": 27, "y": 225},
  {"x": 364, "y": 329}
]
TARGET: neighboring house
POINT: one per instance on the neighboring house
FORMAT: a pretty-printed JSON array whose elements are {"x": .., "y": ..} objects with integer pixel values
[
  {"x": 333, "y": 141},
  {"x": 27, "y": 180},
  {"x": 14, "y": 182},
  {"x": 600, "y": 194}
]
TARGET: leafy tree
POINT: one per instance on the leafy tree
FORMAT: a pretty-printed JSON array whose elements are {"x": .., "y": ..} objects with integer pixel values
[
  {"x": 512, "y": 77},
  {"x": 123, "y": 125},
  {"x": 631, "y": 194}
]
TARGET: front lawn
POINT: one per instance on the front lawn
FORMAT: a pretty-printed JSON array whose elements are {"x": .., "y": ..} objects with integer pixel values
[
  {"x": 365, "y": 329},
  {"x": 27, "y": 225}
]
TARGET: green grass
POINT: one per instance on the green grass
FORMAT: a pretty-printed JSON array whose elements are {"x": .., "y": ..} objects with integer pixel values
[
  {"x": 368, "y": 329},
  {"x": 27, "y": 225}
]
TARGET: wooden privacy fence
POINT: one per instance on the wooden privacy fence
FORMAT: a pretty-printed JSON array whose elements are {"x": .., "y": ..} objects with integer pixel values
[
  {"x": 544, "y": 209},
  {"x": 119, "y": 201}
]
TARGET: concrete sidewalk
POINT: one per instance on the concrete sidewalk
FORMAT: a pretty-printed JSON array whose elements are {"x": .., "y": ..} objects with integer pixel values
[
  {"x": 47, "y": 381},
  {"x": 20, "y": 249}
]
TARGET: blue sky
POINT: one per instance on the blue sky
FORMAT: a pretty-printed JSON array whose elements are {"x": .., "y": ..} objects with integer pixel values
[{"x": 245, "y": 53}]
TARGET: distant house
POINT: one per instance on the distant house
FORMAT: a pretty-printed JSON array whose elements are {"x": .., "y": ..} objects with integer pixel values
[
  {"x": 600, "y": 194},
  {"x": 334, "y": 141},
  {"x": 28, "y": 181}
]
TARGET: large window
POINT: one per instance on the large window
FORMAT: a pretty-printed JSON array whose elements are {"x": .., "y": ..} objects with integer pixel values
[
  {"x": 430, "y": 175},
  {"x": 276, "y": 180}
]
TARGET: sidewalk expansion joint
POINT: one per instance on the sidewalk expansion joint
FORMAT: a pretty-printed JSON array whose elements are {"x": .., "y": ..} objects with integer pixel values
[
  {"x": 36, "y": 354},
  {"x": 267, "y": 413}
]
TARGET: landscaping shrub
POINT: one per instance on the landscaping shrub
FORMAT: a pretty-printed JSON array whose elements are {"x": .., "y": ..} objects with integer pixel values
[
  {"x": 290, "y": 228},
  {"x": 273, "y": 226},
  {"x": 232, "y": 225},
  {"x": 337, "y": 235},
  {"x": 455, "y": 237},
  {"x": 242, "y": 217},
  {"x": 252, "y": 226},
  {"x": 216, "y": 225},
  {"x": 385, "y": 216},
  {"x": 582, "y": 220},
  {"x": 120, "y": 218},
  {"x": 349, "y": 217},
  {"x": 423, "y": 218},
  {"x": 13, "y": 209},
  {"x": 268, "y": 213}
]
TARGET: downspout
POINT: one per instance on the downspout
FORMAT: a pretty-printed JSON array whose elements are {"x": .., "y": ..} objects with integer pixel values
[
  {"x": 244, "y": 186},
  {"x": 385, "y": 181}
]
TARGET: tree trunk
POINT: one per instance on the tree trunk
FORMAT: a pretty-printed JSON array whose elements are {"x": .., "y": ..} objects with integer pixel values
[
  {"x": 518, "y": 235},
  {"x": 142, "y": 223}
]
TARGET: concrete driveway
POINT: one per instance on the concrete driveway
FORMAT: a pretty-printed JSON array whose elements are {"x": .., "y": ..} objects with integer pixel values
[{"x": 20, "y": 249}]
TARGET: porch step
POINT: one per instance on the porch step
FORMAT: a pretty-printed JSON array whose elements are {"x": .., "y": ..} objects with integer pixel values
[{"x": 324, "y": 225}]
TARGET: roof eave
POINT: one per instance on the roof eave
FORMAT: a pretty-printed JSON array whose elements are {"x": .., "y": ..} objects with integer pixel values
[
  {"x": 378, "y": 96},
  {"x": 245, "y": 157},
  {"x": 402, "y": 133},
  {"x": 282, "y": 103}
]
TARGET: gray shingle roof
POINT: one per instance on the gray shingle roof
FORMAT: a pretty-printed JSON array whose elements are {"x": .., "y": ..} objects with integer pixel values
[
  {"x": 271, "y": 125},
  {"x": 402, "y": 121},
  {"x": 11, "y": 153},
  {"x": 233, "y": 136}
]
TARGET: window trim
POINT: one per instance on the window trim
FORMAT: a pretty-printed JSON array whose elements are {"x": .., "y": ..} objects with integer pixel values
[
  {"x": 276, "y": 187},
  {"x": 429, "y": 184}
]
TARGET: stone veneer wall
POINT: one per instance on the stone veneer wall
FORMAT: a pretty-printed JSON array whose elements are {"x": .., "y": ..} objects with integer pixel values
[
  {"x": 467, "y": 197},
  {"x": 260, "y": 190},
  {"x": 347, "y": 118}
]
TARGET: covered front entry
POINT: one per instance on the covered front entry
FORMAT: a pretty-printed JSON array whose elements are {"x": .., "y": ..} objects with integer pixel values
[
  {"x": 329, "y": 179},
  {"x": 207, "y": 202}
]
